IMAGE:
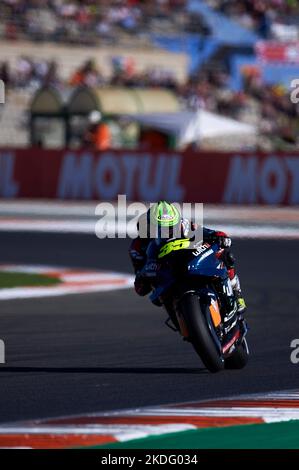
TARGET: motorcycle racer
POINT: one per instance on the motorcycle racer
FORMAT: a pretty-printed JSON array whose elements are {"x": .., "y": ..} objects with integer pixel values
[{"x": 166, "y": 215}]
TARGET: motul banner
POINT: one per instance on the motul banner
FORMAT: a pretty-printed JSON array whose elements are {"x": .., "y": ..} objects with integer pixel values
[{"x": 231, "y": 178}]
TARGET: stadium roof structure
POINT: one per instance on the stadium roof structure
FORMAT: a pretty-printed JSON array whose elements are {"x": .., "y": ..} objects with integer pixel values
[
  {"x": 59, "y": 107},
  {"x": 47, "y": 101},
  {"x": 120, "y": 100}
]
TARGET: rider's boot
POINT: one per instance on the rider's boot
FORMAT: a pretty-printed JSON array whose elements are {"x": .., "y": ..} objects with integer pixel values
[{"x": 241, "y": 305}]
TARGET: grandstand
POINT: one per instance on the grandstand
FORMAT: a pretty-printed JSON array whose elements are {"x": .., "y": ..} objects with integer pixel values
[
  {"x": 235, "y": 59},
  {"x": 23, "y": 81}
]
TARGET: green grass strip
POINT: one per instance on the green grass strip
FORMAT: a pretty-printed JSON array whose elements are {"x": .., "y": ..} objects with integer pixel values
[
  {"x": 283, "y": 435},
  {"x": 12, "y": 279}
]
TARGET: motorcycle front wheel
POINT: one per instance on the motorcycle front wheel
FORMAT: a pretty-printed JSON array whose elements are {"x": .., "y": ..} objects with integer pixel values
[
  {"x": 199, "y": 333},
  {"x": 239, "y": 357}
]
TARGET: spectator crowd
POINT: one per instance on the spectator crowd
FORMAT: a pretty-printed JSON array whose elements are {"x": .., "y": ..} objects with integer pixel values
[
  {"x": 267, "y": 106},
  {"x": 81, "y": 21},
  {"x": 270, "y": 18},
  {"x": 87, "y": 21},
  {"x": 92, "y": 21}
]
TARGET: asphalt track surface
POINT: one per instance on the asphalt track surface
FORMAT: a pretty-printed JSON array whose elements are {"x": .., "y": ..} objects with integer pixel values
[{"x": 108, "y": 351}]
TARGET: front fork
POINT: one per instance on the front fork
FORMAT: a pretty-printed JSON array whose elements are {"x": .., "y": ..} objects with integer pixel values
[{"x": 227, "y": 297}]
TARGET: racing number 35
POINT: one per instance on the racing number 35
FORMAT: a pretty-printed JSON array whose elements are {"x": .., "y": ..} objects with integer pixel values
[{"x": 173, "y": 246}]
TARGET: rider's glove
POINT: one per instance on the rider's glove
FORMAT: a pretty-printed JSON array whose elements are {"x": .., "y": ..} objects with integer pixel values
[{"x": 142, "y": 286}]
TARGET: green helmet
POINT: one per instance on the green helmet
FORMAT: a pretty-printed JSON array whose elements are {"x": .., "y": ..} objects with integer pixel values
[
  {"x": 164, "y": 214},
  {"x": 164, "y": 220},
  {"x": 161, "y": 221}
]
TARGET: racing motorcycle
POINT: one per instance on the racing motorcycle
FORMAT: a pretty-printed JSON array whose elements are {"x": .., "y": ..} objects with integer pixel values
[{"x": 192, "y": 284}]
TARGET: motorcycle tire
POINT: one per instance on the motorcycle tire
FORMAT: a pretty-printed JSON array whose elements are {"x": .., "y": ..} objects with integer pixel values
[
  {"x": 199, "y": 333},
  {"x": 239, "y": 357}
]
